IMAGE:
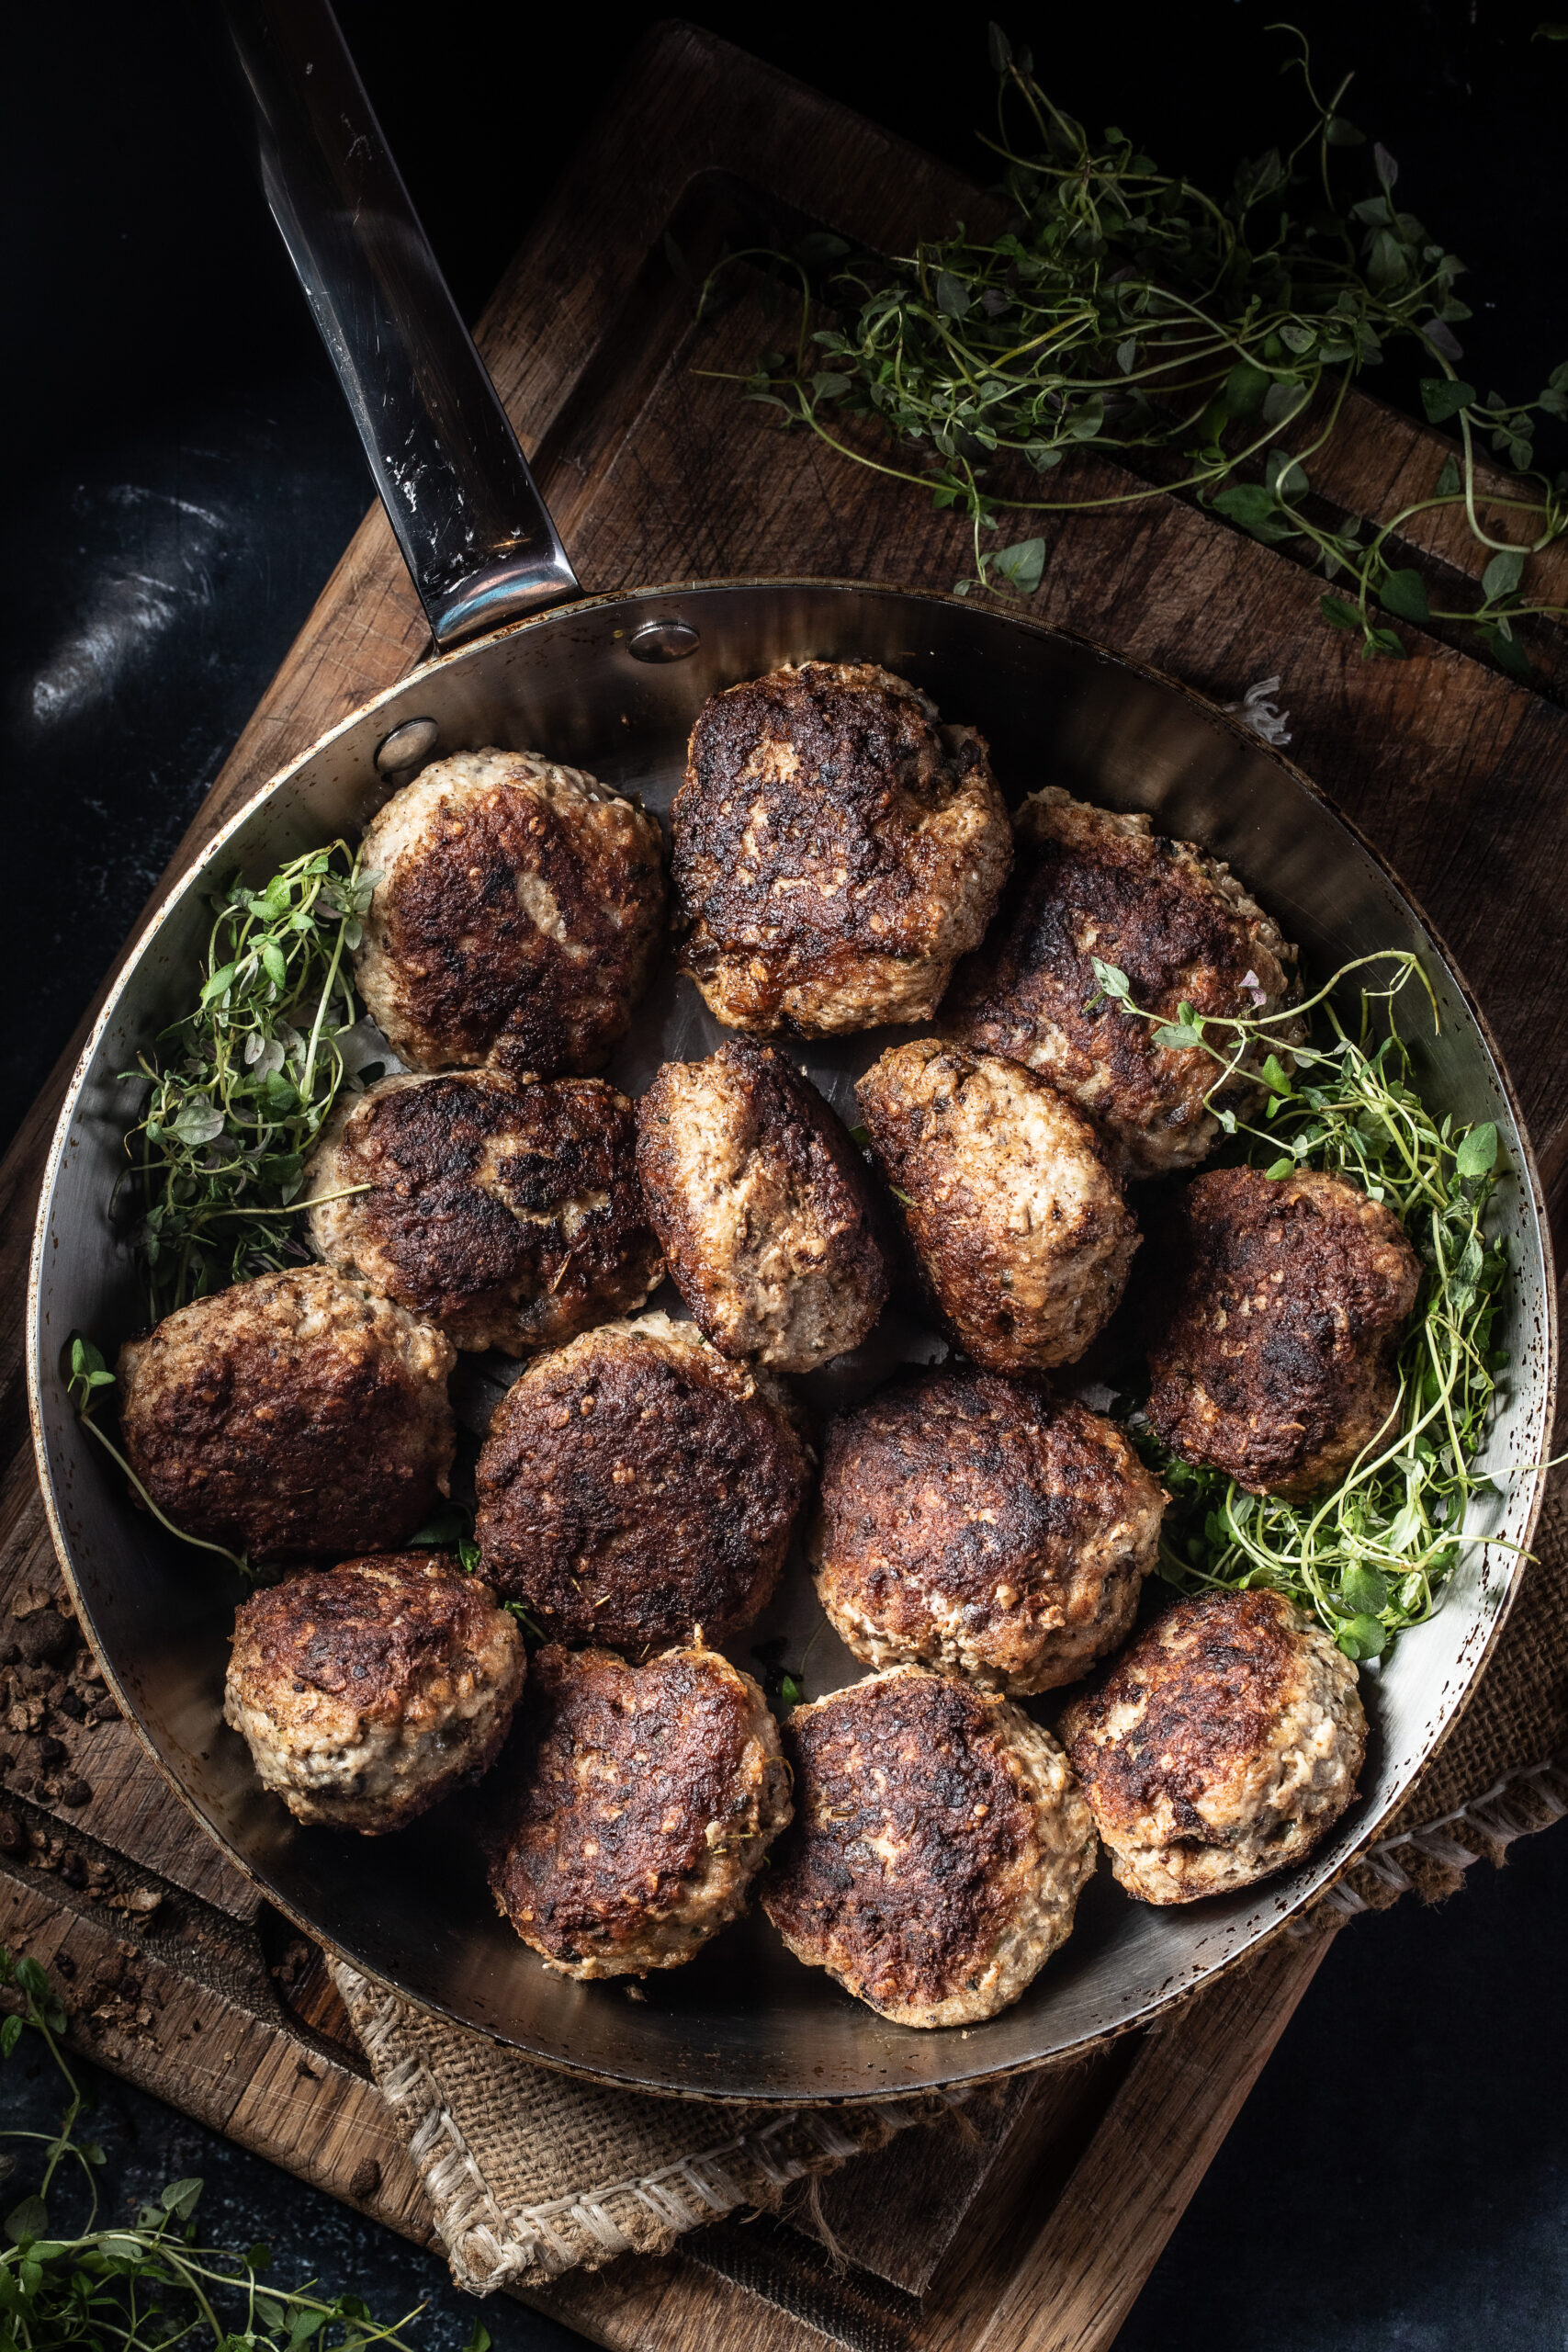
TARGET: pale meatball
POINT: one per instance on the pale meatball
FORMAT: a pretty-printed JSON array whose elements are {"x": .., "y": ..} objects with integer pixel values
[
  {"x": 367, "y": 1692},
  {"x": 939, "y": 1848},
  {"x": 980, "y": 1526},
  {"x": 1009, "y": 1198},
  {"x": 1278, "y": 1319},
  {"x": 505, "y": 1211},
  {"x": 648, "y": 1797},
  {"x": 768, "y": 1215},
  {"x": 635, "y": 1487},
  {"x": 1221, "y": 1746},
  {"x": 1095, "y": 883},
  {"x": 291, "y": 1416},
  {"x": 516, "y": 917},
  {"x": 836, "y": 850}
]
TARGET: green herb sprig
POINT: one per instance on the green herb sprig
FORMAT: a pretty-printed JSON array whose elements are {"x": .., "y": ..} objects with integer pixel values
[
  {"x": 247, "y": 1079},
  {"x": 85, "y": 1374},
  {"x": 147, "y": 2285},
  {"x": 1125, "y": 311},
  {"x": 1374, "y": 1554}
]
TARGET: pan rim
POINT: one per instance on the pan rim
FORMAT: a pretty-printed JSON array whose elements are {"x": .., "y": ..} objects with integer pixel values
[{"x": 957, "y": 2072}]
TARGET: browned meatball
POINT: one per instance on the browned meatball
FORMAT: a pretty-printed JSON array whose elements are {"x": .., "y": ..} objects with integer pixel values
[
  {"x": 978, "y": 1525},
  {"x": 939, "y": 1848},
  {"x": 635, "y": 1487},
  {"x": 1221, "y": 1746},
  {"x": 516, "y": 917},
  {"x": 769, "y": 1219},
  {"x": 1281, "y": 1306},
  {"x": 836, "y": 849},
  {"x": 367, "y": 1692},
  {"x": 1178, "y": 923},
  {"x": 1008, "y": 1197},
  {"x": 291, "y": 1416},
  {"x": 647, "y": 1798},
  {"x": 506, "y": 1212}
]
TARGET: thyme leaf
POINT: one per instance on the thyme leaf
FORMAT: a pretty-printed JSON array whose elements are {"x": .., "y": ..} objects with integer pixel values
[
  {"x": 1125, "y": 311},
  {"x": 148, "y": 2284},
  {"x": 243, "y": 1085}
]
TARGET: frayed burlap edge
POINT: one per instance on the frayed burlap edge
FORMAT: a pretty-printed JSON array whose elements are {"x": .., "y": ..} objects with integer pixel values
[
  {"x": 1431, "y": 1860},
  {"x": 488, "y": 2246}
]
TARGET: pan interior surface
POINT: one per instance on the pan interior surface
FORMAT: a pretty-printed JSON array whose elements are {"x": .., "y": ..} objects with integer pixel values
[{"x": 743, "y": 2020}]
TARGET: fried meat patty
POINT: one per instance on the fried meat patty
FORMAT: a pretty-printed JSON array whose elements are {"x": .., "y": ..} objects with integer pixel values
[
  {"x": 367, "y": 1692},
  {"x": 1010, "y": 1200},
  {"x": 836, "y": 849},
  {"x": 1220, "y": 1747},
  {"x": 767, "y": 1212},
  {"x": 938, "y": 1848},
  {"x": 291, "y": 1416},
  {"x": 647, "y": 1800},
  {"x": 635, "y": 1485},
  {"x": 980, "y": 1526},
  {"x": 1276, "y": 1321},
  {"x": 1095, "y": 883},
  {"x": 516, "y": 916},
  {"x": 506, "y": 1212}
]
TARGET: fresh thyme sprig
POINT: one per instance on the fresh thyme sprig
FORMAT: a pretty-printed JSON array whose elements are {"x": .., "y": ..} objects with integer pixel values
[
  {"x": 87, "y": 1373},
  {"x": 247, "y": 1079},
  {"x": 1373, "y": 1554},
  {"x": 147, "y": 2285},
  {"x": 1123, "y": 310}
]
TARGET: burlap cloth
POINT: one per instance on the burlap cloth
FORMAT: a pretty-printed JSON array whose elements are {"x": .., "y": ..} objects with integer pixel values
[{"x": 530, "y": 2174}]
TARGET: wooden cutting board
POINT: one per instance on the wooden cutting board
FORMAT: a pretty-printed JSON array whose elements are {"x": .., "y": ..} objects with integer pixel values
[{"x": 1039, "y": 2229}]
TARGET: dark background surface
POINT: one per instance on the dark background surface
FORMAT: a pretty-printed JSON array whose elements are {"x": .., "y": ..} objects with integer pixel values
[{"x": 185, "y": 477}]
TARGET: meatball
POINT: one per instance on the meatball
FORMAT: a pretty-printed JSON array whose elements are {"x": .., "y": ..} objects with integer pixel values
[
  {"x": 367, "y": 1692},
  {"x": 635, "y": 1487},
  {"x": 976, "y": 1525},
  {"x": 1008, "y": 1197},
  {"x": 647, "y": 1798},
  {"x": 1182, "y": 929},
  {"x": 507, "y": 1213},
  {"x": 836, "y": 849},
  {"x": 1221, "y": 1746},
  {"x": 294, "y": 1414},
  {"x": 1281, "y": 1309},
  {"x": 766, "y": 1211},
  {"x": 939, "y": 1848},
  {"x": 516, "y": 915}
]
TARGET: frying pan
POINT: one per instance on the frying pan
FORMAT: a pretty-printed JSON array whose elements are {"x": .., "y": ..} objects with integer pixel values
[{"x": 612, "y": 683}]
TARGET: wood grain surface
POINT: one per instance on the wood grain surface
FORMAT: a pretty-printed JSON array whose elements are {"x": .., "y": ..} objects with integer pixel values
[{"x": 1037, "y": 2230}]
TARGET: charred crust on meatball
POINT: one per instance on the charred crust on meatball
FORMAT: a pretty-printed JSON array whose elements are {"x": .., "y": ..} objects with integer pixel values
[
  {"x": 980, "y": 1526},
  {"x": 1009, "y": 1198},
  {"x": 515, "y": 918},
  {"x": 1092, "y": 884},
  {"x": 836, "y": 849},
  {"x": 635, "y": 1485},
  {"x": 1275, "y": 1326},
  {"x": 507, "y": 1213},
  {"x": 937, "y": 1848},
  {"x": 768, "y": 1215},
  {"x": 370, "y": 1692},
  {"x": 290, "y": 1417},
  {"x": 1221, "y": 1746},
  {"x": 645, "y": 1800}
]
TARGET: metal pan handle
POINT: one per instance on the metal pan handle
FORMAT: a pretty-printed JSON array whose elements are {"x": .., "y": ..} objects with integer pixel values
[{"x": 473, "y": 529}]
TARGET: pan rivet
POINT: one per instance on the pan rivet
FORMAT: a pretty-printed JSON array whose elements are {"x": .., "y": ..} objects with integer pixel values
[
  {"x": 664, "y": 641},
  {"x": 406, "y": 745}
]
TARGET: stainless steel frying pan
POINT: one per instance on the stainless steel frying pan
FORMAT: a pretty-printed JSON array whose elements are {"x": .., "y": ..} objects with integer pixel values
[{"x": 612, "y": 683}]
